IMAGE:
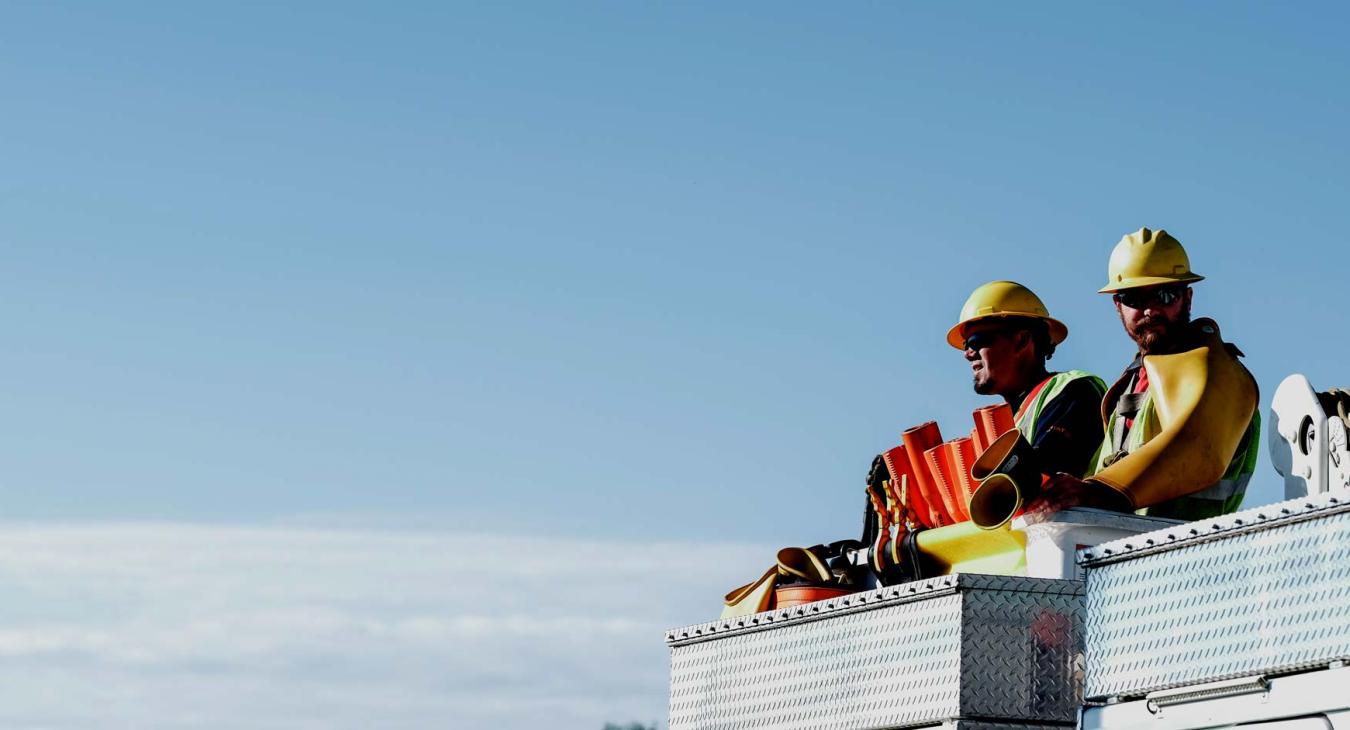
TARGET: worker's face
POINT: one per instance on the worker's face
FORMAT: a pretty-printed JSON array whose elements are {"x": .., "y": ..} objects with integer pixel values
[
  {"x": 1155, "y": 317},
  {"x": 998, "y": 357}
]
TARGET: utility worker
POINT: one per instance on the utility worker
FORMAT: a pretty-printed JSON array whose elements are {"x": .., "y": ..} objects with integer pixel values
[
  {"x": 1007, "y": 335},
  {"x": 1181, "y": 422}
]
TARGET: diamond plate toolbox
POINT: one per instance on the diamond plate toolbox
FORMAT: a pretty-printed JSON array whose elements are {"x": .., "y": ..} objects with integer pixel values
[
  {"x": 979, "y": 648},
  {"x": 1263, "y": 591}
]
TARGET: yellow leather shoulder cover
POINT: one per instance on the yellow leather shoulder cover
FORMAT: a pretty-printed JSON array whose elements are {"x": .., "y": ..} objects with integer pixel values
[
  {"x": 752, "y": 597},
  {"x": 1204, "y": 400},
  {"x": 758, "y": 595}
]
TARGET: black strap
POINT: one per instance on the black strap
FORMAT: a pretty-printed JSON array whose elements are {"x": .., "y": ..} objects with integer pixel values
[
  {"x": 913, "y": 557},
  {"x": 1128, "y": 406}
]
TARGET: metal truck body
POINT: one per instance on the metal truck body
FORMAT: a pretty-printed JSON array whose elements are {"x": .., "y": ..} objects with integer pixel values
[{"x": 1241, "y": 619}]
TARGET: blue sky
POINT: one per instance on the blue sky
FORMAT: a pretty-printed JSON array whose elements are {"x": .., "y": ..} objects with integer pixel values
[{"x": 611, "y": 271}]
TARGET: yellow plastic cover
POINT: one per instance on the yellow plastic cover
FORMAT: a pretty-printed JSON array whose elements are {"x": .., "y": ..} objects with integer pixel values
[
  {"x": 752, "y": 597},
  {"x": 966, "y": 548}
]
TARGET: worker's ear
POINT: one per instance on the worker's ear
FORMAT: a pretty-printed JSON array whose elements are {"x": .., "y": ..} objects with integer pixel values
[{"x": 1023, "y": 338}]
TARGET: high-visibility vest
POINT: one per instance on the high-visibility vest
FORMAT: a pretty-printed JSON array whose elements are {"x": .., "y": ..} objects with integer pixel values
[
  {"x": 1029, "y": 414},
  {"x": 1220, "y": 498}
]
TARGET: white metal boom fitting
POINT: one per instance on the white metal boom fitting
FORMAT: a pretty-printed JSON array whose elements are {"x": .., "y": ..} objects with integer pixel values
[{"x": 1307, "y": 437}]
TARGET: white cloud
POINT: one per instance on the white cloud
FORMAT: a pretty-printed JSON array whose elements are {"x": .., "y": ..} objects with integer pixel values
[{"x": 189, "y": 626}]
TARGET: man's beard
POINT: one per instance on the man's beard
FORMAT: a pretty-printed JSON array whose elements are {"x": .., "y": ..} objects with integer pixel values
[
  {"x": 985, "y": 387},
  {"x": 1158, "y": 336}
]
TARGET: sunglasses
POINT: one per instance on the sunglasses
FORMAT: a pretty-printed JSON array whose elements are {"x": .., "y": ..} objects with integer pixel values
[
  {"x": 983, "y": 339},
  {"x": 1141, "y": 299}
]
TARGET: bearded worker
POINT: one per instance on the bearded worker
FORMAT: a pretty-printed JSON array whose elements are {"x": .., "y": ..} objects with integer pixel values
[
  {"x": 1181, "y": 422},
  {"x": 1007, "y": 335}
]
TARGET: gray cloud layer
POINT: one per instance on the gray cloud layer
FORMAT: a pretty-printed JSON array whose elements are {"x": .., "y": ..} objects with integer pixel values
[{"x": 187, "y": 626}]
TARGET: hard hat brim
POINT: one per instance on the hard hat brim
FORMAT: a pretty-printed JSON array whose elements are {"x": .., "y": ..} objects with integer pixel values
[
  {"x": 1136, "y": 282},
  {"x": 956, "y": 335}
]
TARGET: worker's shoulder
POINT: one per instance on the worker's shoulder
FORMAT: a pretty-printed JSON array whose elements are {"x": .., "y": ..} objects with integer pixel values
[
  {"x": 1077, "y": 384},
  {"x": 1207, "y": 334}
]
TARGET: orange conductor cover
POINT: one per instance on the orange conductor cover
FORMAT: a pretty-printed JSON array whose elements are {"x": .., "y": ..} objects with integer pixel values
[
  {"x": 918, "y": 440},
  {"x": 897, "y": 463},
  {"x": 953, "y": 473},
  {"x": 940, "y": 463},
  {"x": 993, "y": 421},
  {"x": 963, "y": 455},
  {"x": 975, "y": 436}
]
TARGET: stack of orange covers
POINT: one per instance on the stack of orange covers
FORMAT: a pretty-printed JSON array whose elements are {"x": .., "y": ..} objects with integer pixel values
[{"x": 932, "y": 477}]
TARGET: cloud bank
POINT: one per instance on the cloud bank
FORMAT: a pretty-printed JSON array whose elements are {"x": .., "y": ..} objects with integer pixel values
[{"x": 190, "y": 626}]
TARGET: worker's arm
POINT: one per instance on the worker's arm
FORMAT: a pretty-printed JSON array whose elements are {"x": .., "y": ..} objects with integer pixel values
[{"x": 1066, "y": 490}]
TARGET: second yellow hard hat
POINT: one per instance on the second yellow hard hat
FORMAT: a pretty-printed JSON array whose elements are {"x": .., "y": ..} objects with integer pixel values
[
  {"x": 1147, "y": 258},
  {"x": 1004, "y": 299}
]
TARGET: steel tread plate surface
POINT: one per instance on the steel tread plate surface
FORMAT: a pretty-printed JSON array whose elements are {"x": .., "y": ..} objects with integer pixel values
[
  {"x": 1188, "y": 534},
  {"x": 870, "y": 600},
  {"x": 1268, "y": 599},
  {"x": 981, "y": 725},
  {"x": 949, "y": 650}
]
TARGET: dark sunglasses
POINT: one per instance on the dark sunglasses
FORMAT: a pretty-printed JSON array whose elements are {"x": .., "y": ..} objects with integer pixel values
[
  {"x": 1141, "y": 299},
  {"x": 983, "y": 339}
]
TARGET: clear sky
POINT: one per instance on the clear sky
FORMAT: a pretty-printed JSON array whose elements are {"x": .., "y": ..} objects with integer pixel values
[{"x": 620, "y": 272}]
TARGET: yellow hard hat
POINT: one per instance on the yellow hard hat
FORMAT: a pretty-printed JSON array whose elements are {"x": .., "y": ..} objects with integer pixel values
[
  {"x": 1147, "y": 258},
  {"x": 1004, "y": 299}
]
